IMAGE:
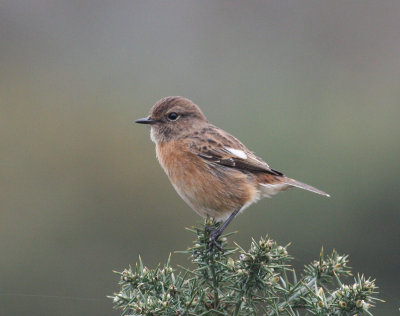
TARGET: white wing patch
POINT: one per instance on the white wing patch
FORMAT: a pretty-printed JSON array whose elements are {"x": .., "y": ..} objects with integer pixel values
[{"x": 237, "y": 152}]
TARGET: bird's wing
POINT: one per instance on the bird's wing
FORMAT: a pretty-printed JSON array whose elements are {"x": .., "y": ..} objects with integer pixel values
[{"x": 218, "y": 147}]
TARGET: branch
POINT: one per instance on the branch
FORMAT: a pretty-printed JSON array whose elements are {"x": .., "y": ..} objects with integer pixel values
[{"x": 243, "y": 282}]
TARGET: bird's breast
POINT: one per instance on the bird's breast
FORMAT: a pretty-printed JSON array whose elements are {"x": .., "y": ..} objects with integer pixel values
[{"x": 208, "y": 189}]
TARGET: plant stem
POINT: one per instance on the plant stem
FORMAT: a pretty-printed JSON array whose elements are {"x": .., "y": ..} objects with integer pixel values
[
  {"x": 238, "y": 304},
  {"x": 298, "y": 293},
  {"x": 215, "y": 283}
]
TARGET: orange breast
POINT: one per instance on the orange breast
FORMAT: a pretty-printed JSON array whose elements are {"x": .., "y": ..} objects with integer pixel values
[{"x": 209, "y": 189}]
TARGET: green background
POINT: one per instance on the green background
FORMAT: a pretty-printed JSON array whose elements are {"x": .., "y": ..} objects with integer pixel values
[{"x": 313, "y": 87}]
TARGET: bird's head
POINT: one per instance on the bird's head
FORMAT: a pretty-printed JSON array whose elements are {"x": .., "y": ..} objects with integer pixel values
[{"x": 172, "y": 118}]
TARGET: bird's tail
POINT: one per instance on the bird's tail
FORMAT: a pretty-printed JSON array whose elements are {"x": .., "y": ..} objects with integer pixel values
[{"x": 304, "y": 186}]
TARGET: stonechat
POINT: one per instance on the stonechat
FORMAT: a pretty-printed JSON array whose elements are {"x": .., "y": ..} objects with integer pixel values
[{"x": 212, "y": 171}]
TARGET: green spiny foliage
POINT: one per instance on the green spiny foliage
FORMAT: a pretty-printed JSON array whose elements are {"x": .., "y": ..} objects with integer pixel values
[{"x": 258, "y": 281}]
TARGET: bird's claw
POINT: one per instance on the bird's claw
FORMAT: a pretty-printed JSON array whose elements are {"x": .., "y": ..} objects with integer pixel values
[{"x": 214, "y": 235}]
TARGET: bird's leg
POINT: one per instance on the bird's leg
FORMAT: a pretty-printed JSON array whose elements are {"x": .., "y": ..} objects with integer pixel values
[{"x": 215, "y": 233}]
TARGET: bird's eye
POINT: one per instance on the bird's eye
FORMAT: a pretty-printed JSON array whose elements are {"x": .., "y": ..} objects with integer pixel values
[{"x": 173, "y": 116}]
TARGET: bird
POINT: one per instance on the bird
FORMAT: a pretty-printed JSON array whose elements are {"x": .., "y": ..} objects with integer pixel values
[{"x": 211, "y": 170}]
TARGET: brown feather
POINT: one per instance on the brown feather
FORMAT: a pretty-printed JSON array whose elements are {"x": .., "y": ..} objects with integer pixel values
[
  {"x": 211, "y": 190},
  {"x": 304, "y": 186},
  {"x": 209, "y": 168},
  {"x": 211, "y": 144}
]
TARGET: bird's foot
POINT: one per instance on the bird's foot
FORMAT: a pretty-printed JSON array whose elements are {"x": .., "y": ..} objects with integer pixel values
[{"x": 214, "y": 235}]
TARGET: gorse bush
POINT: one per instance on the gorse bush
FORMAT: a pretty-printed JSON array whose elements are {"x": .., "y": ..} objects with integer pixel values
[{"x": 258, "y": 281}]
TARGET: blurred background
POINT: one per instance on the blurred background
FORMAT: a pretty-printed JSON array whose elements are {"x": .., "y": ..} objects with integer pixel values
[{"x": 312, "y": 87}]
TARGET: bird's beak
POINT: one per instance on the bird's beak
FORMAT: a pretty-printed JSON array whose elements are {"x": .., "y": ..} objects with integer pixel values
[{"x": 146, "y": 120}]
